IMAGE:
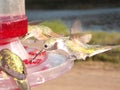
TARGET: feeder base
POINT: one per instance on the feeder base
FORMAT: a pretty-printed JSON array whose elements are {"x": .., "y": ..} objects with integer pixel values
[{"x": 51, "y": 65}]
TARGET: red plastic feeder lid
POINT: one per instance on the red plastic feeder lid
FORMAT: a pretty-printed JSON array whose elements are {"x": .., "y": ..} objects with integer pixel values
[{"x": 14, "y": 26}]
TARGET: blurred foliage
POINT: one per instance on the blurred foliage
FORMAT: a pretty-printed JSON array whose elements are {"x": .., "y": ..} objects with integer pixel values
[{"x": 105, "y": 38}]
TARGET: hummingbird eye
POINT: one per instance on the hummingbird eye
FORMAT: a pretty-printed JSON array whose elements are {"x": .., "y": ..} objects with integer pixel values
[
  {"x": 45, "y": 46},
  {"x": 28, "y": 34}
]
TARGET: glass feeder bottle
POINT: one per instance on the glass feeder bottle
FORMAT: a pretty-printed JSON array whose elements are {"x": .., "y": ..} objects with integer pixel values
[{"x": 13, "y": 24}]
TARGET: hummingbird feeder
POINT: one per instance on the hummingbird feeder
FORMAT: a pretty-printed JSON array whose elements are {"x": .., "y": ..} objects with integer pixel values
[{"x": 13, "y": 25}]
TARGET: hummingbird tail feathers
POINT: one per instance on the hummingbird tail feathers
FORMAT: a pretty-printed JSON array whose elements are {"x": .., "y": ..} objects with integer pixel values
[{"x": 23, "y": 84}]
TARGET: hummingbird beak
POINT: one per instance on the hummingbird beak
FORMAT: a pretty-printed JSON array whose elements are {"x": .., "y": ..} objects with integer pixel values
[{"x": 37, "y": 54}]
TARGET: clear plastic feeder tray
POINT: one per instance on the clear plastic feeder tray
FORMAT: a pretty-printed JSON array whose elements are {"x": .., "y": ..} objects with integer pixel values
[{"x": 51, "y": 65}]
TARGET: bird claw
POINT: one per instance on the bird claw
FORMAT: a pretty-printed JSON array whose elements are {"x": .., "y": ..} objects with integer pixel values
[
  {"x": 72, "y": 57},
  {"x": 4, "y": 75}
]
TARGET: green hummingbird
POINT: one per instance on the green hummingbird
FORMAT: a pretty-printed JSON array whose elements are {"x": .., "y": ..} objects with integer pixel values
[
  {"x": 12, "y": 65},
  {"x": 40, "y": 32}
]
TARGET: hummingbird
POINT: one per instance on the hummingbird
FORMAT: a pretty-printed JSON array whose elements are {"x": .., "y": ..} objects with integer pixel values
[
  {"x": 12, "y": 65},
  {"x": 40, "y": 32},
  {"x": 76, "y": 46}
]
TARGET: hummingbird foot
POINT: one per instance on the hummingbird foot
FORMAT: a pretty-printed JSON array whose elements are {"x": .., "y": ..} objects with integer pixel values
[
  {"x": 4, "y": 75},
  {"x": 72, "y": 57}
]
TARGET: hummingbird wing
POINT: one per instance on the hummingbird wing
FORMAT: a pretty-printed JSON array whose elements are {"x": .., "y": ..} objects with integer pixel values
[
  {"x": 96, "y": 49},
  {"x": 81, "y": 38},
  {"x": 91, "y": 50},
  {"x": 12, "y": 64},
  {"x": 77, "y": 34},
  {"x": 76, "y": 27}
]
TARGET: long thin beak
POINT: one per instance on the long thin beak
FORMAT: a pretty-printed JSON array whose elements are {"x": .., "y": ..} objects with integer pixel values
[{"x": 36, "y": 55}]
